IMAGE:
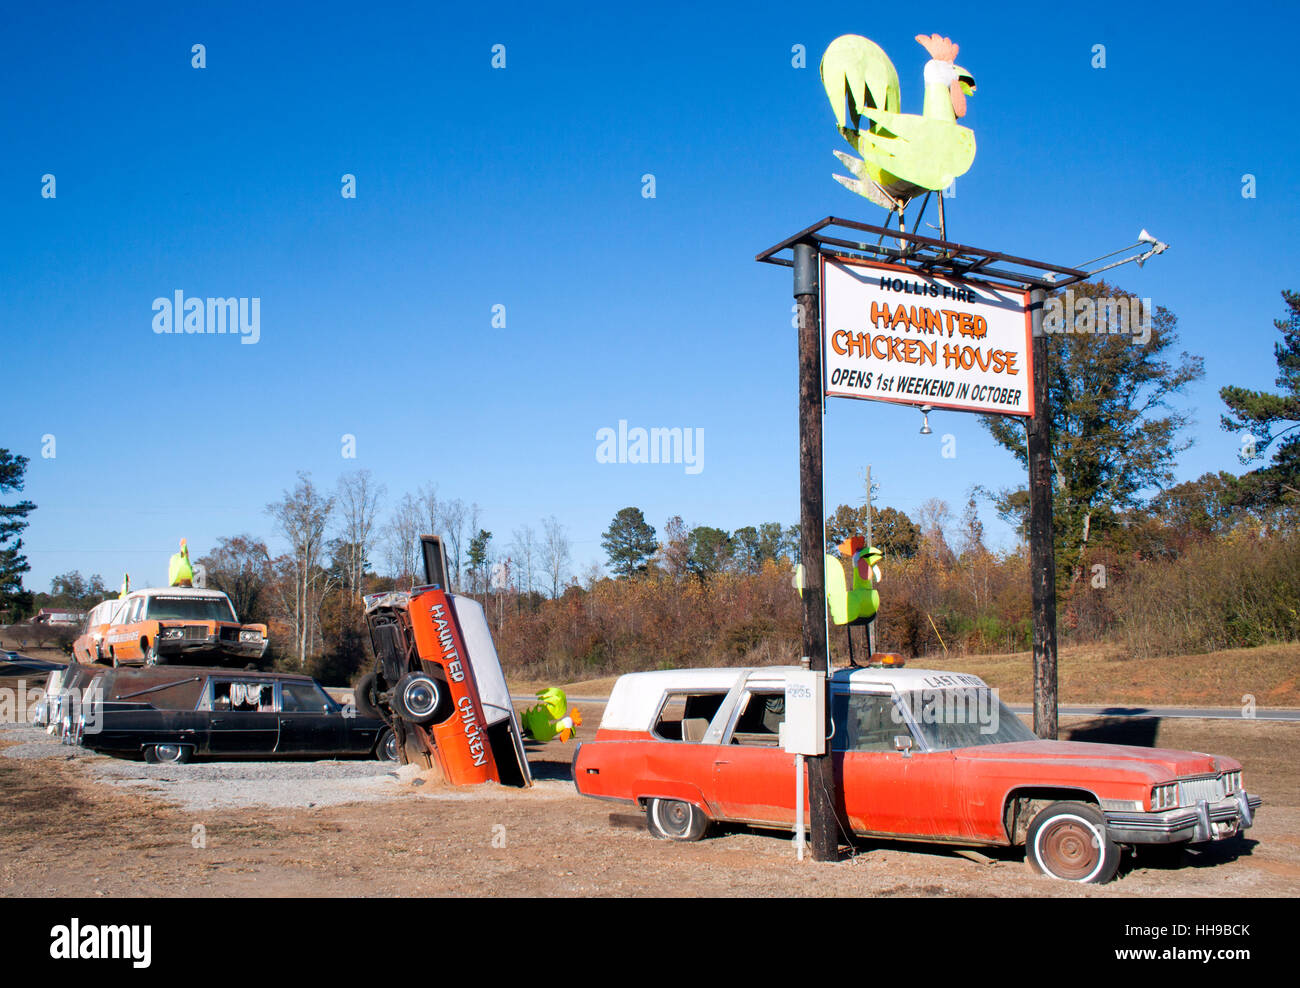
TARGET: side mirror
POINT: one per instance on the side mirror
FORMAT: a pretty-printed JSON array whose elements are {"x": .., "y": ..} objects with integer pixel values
[{"x": 903, "y": 743}]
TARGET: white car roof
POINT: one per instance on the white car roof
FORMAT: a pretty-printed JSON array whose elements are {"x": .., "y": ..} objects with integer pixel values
[
  {"x": 177, "y": 592},
  {"x": 635, "y": 699}
]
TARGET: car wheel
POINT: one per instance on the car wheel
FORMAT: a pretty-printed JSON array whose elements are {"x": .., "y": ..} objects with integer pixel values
[
  {"x": 167, "y": 754},
  {"x": 387, "y": 749},
  {"x": 363, "y": 697},
  {"x": 421, "y": 699},
  {"x": 151, "y": 657},
  {"x": 675, "y": 819},
  {"x": 1069, "y": 841}
]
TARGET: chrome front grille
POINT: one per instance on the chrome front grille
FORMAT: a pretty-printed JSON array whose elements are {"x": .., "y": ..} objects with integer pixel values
[
  {"x": 195, "y": 631},
  {"x": 1191, "y": 791}
]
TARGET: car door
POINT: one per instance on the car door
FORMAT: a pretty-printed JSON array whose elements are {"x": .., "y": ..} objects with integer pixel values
[
  {"x": 753, "y": 777},
  {"x": 887, "y": 791},
  {"x": 309, "y": 721},
  {"x": 244, "y": 719}
]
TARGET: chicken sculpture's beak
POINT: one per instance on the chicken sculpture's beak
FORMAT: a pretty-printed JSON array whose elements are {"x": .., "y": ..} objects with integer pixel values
[{"x": 961, "y": 87}]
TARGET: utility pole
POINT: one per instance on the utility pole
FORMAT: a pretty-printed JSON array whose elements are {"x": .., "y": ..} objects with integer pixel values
[
  {"x": 812, "y": 538},
  {"x": 871, "y": 625},
  {"x": 1042, "y": 551}
]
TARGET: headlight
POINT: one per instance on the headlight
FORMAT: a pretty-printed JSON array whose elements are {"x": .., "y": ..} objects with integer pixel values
[
  {"x": 250, "y": 636},
  {"x": 1164, "y": 797},
  {"x": 172, "y": 633}
]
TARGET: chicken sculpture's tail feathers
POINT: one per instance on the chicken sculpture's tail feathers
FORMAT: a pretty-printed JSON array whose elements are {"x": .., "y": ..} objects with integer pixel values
[
  {"x": 862, "y": 183},
  {"x": 857, "y": 69}
]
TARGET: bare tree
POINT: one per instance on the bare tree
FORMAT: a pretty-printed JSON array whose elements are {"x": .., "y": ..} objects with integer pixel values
[
  {"x": 301, "y": 516},
  {"x": 524, "y": 550},
  {"x": 358, "y": 500},
  {"x": 675, "y": 548},
  {"x": 935, "y": 517},
  {"x": 402, "y": 540},
  {"x": 555, "y": 553},
  {"x": 454, "y": 518},
  {"x": 432, "y": 510}
]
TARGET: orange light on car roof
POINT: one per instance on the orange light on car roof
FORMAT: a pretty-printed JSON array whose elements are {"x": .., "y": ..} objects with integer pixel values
[{"x": 892, "y": 659}]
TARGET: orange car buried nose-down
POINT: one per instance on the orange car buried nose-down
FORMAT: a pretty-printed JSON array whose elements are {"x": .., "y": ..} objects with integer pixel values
[
  {"x": 180, "y": 625},
  {"x": 438, "y": 682}
]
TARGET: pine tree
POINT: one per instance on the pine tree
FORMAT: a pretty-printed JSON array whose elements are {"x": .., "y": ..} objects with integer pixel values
[
  {"x": 13, "y": 519},
  {"x": 1260, "y": 414}
]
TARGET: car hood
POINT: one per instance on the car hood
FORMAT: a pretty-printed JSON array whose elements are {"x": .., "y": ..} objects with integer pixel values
[{"x": 1156, "y": 763}]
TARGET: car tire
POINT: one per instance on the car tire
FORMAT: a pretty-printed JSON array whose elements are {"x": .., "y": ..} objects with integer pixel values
[
  {"x": 363, "y": 697},
  {"x": 1068, "y": 841},
  {"x": 421, "y": 699},
  {"x": 167, "y": 754},
  {"x": 675, "y": 819},
  {"x": 151, "y": 657},
  {"x": 387, "y": 748}
]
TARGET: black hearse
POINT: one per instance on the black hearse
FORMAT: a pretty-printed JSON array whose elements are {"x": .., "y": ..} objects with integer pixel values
[{"x": 175, "y": 713}]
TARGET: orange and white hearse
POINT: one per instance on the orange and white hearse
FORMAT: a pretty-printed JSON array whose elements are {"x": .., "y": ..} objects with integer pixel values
[
  {"x": 919, "y": 754},
  {"x": 180, "y": 625},
  {"x": 89, "y": 646}
]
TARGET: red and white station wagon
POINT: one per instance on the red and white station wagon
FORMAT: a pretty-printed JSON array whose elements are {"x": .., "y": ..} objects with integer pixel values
[{"x": 919, "y": 755}]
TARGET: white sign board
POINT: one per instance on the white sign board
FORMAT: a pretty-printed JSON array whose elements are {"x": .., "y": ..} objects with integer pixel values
[
  {"x": 896, "y": 334},
  {"x": 803, "y": 731}
]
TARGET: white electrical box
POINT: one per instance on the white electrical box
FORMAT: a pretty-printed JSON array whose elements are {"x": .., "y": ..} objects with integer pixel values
[{"x": 803, "y": 731}]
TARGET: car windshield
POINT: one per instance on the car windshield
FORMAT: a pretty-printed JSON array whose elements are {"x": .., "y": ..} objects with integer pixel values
[
  {"x": 190, "y": 609},
  {"x": 964, "y": 718}
]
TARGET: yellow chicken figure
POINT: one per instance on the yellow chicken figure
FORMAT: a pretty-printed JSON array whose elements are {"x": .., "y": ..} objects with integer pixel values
[
  {"x": 179, "y": 571},
  {"x": 903, "y": 154},
  {"x": 547, "y": 720}
]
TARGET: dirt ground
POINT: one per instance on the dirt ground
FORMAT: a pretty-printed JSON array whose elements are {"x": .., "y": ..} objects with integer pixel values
[{"x": 68, "y": 833}]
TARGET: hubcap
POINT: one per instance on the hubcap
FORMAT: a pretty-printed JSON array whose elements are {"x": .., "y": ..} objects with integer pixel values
[
  {"x": 675, "y": 817},
  {"x": 390, "y": 747},
  {"x": 167, "y": 752},
  {"x": 421, "y": 698},
  {"x": 1069, "y": 849}
]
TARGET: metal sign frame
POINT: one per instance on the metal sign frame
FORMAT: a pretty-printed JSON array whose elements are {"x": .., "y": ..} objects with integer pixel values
[{"x": 924, "y": 254}]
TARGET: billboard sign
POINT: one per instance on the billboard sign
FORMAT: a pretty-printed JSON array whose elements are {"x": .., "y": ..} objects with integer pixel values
[{"x": 896, "y": 334}]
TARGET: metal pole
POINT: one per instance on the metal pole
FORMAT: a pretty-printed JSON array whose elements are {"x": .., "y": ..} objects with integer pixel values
[
  {"x": 871, "y": 625},
  {"x": 812, "y": 538},
  {"x": 799, "y": 842},
  {"x": 1042, "y": 551}
]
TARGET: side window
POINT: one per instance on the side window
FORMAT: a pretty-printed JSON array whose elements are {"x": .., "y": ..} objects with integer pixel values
[
  {"x": 300, "y": 698},
  {"x": 686, "y": 716},
  {"x": 136, "y": 611},
  {"x": 759, "y": 723},
  {"x": 866, "y": 722},
  {"x": 245, "y": 697}
]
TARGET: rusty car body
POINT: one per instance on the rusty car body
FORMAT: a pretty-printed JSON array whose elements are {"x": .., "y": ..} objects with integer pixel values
[
  {"x": 174, "y": 714},
  {"x": 180, "y": 625},
  {"x": 694, "y": 746}
]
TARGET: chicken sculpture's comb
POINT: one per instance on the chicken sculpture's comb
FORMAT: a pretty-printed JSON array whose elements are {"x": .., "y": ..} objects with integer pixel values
[{"x": 939, "y": 47}]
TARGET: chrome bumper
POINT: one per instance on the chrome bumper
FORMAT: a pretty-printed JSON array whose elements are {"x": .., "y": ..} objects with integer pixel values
[{"x": 1205, "y": 821}]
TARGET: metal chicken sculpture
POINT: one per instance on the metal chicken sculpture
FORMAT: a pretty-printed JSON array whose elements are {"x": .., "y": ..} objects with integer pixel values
[{"x": 903, "y": 155}]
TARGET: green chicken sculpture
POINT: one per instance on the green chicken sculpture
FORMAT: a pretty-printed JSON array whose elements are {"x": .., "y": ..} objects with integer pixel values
[{"x": 903, "y": 155}]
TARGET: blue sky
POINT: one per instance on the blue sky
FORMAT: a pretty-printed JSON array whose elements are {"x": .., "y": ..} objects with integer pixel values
[{"x": 522, "y": 187}]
